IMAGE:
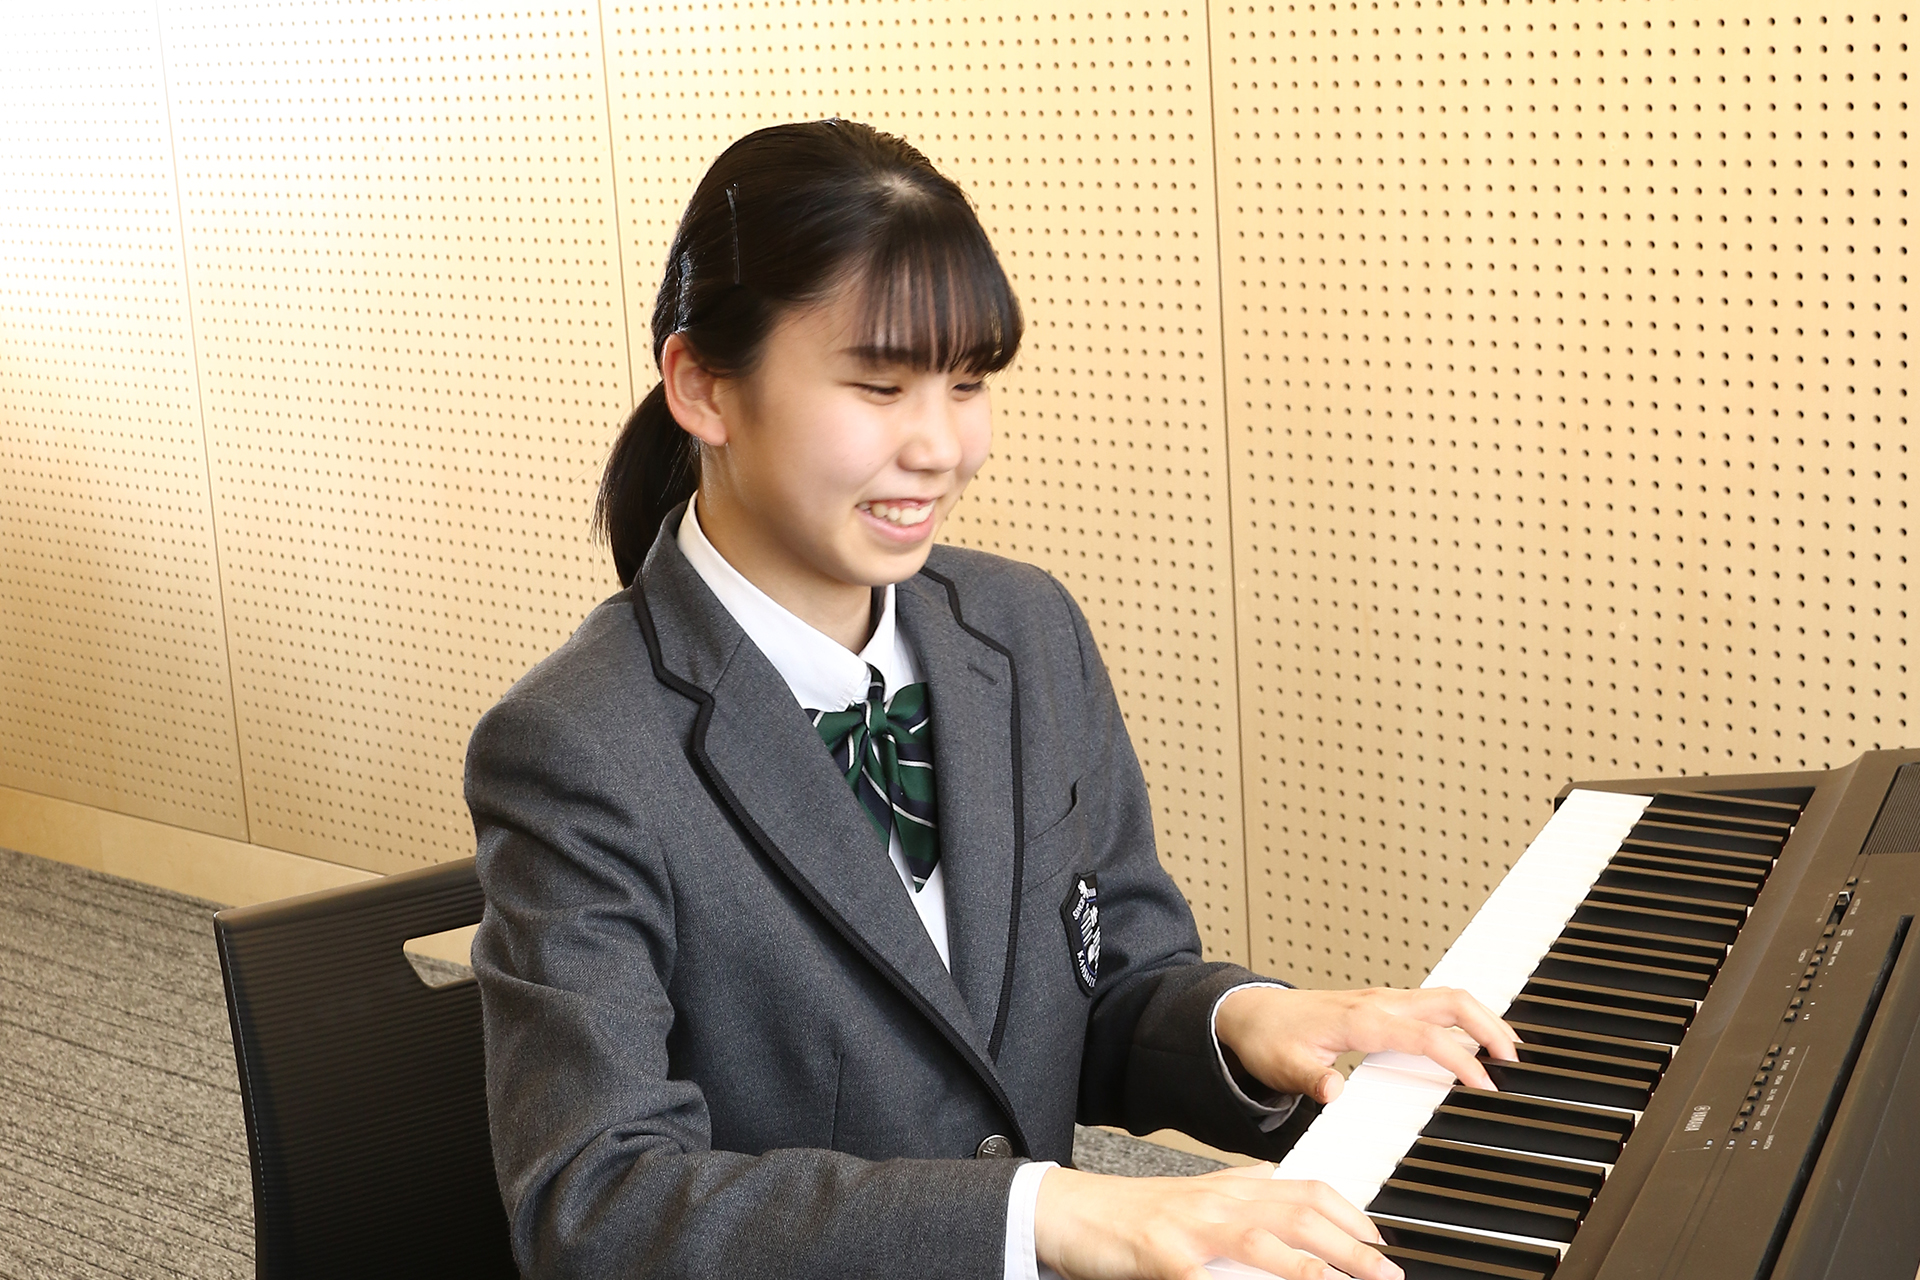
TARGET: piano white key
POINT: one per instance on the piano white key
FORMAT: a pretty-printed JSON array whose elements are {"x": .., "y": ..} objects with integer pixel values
[{"x": 1357, "y": 1141}]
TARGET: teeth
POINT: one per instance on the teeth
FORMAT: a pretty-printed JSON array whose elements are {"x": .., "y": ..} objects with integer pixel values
[{"x": 900, "y": 513}]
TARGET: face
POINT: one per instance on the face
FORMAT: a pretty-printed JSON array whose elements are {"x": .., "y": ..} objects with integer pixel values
[{"x": 837, "y": 463}]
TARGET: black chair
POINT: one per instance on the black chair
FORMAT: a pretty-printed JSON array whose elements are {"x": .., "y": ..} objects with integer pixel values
[{"x": 364, "y": 1088}]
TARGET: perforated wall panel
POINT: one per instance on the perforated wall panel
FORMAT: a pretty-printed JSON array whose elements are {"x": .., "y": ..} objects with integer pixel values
[
  {"x": 113, "y": 667},
  {"x": 1569, "y": 363},
  {"x": 1083, "y": 137},
  {"x": 401, "y": 237}
]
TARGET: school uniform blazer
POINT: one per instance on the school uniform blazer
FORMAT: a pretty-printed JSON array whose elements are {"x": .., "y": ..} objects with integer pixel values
[{"x": 719, "y": 1040}]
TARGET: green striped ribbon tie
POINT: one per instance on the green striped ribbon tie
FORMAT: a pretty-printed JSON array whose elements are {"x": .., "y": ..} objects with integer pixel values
[{"x": 885, "y": 751}]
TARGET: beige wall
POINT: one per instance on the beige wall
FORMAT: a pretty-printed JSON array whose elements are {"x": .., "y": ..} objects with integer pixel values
[{"x": 1431, "y": 403}]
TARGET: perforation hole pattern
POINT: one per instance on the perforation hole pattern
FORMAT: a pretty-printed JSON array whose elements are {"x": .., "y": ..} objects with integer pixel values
[
  {"x": 400, "y": 229},
  {"x": 1563, "y": 430},
  {"x": 113, "y": 665},
  {"x": 1569, "y": 358}
]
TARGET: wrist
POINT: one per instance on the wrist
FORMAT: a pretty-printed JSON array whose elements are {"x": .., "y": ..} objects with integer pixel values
[
  {"x": 1056, "y": 1221},
  {"x": 1239, "y": 1013}
]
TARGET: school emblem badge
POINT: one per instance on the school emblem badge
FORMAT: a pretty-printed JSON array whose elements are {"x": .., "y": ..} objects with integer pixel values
[{"x": 1081, "y": 912}]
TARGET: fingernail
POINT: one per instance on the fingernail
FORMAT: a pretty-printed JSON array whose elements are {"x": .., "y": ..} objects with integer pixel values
[{"x": 1393, "y": 1272}]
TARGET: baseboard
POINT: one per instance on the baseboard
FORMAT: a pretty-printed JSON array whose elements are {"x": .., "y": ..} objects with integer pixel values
[{"x": 229, "y": 872}]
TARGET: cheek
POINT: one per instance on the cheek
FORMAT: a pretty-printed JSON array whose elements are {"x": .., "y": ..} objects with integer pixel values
[
  {"x": 825, "y": 455},
  {"x": 976, "y": 439}
]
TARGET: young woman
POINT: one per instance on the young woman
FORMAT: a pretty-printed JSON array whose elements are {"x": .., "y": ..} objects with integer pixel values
[{"x": 822, "y": 897}]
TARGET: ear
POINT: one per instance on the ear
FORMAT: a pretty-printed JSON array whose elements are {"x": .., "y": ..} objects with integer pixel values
[{"x": 691, "y": 392}]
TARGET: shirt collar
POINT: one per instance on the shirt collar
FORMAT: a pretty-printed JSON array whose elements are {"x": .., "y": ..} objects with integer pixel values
[{"x": 823, "y": 674}]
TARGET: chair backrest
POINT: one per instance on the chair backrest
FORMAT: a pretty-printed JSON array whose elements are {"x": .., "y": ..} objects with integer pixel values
[{"x": 364, "y": 1088}]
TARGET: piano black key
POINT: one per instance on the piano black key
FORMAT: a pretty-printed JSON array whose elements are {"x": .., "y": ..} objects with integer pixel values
[
  {"x": 1743, "y": 807},
  {"x": 1753, "y": 864},
  {"x": 1694, "y": 949},
  {"x": 1657, "y": 812},
  {"x": 1626, "y": 974},
  {"x": 1676, "y": 899},
  {"x": 1431, "y": 1266},
  {"x": 1601, "y": 1118},
  {"x": 1414, "y": 1244},
  {"x": 1598, "y": 1019},
  {"x": 1463, "y": 1208},
  {"x": 1620, "y": 952},
  {"x": 1751, "y": 878},
  {"x": 1726, "y": 862},
  {"x": 1580, "y": 1180},
  {"x": 1631, "y": 1070},
  {"x": 1592, "y": 1042},
  {"x": 1530, "y": 1124},
  {"x": 1677, "y": 886},
  {"x": 1543, "y": 1081},
  {"x": 1607, "y": 907},
  {"x": 1457, "y": 1177},
  {"x": 1674, "y": 834}
]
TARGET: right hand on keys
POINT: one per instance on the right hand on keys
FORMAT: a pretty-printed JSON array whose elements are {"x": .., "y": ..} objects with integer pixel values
[{"x": 1090, "y": 1226}]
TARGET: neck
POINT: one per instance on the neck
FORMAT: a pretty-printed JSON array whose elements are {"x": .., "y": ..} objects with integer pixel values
[{"x": 845, "y": 612}]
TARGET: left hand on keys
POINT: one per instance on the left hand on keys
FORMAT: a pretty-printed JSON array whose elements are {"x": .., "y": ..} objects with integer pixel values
[{"x": 1288, "y": 1038}]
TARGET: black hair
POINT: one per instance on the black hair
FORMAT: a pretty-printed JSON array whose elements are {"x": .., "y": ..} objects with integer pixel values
[{"x": 785, "y": 216}]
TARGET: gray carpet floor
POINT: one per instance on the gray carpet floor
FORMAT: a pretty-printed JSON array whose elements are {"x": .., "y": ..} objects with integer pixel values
[{"x": 122, "y": 1148}]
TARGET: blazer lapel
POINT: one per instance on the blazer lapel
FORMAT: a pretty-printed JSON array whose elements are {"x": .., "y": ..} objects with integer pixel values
[
  {"x": 771, "y": 769},
  {"x": 971, "y": 692}
]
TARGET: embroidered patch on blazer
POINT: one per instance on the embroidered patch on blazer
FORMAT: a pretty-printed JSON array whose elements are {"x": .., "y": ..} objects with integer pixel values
[{"x": 1081, "y": 912}]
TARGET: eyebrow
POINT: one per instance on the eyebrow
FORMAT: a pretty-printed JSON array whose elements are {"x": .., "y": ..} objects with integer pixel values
[
  {"x": 881, "y": 356},
  {"x": 885, "y": 357}
]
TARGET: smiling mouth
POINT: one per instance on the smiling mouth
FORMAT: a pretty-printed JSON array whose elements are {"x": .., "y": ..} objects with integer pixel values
[{"x": 905, "y": 514}]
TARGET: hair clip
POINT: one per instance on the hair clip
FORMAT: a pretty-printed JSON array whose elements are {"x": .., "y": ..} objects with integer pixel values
[{"x": 733, "y": 216}]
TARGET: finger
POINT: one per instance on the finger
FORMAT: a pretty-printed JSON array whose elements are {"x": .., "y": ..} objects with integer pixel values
[
  {"x": 1454, "y": 1006},
  {"x": 1331, "y": 1086},
  {"x": 1321, "y": 1200},
  {"x": 1479, "y": 1022},
  {"x": 1262, "y": 1249},
  {"x": 1299, "y": 1067},
  {"x": 1327, "y": 1244},
  {"x": 1455, "y": 1057},
  {"x": 1450, "y": 1006}
]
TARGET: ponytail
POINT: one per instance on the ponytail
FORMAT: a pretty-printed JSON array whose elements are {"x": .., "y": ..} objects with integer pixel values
[{"x": 653, "y": 468}]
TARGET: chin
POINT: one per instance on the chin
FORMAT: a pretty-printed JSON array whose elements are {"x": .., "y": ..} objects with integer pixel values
[{"x": 886, "y": 569}]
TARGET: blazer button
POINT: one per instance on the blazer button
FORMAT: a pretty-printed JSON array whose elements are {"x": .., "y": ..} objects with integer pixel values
[{"x": 995, "y": 1146}]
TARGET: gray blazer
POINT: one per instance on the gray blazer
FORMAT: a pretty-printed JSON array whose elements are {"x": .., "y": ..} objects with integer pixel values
[{"x": 719, "y": 1040}]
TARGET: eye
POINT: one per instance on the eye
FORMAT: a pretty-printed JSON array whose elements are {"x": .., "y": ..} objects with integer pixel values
[
  {"x": 879, "y": 389},
  {"x": 970, "y": 388}
]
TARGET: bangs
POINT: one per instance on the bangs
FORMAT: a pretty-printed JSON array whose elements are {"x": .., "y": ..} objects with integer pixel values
[{"x": 931, "y": 294}]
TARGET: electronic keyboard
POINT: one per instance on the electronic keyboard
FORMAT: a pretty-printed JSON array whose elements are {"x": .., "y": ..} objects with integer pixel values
[{"x": 1720, "y": 1074}]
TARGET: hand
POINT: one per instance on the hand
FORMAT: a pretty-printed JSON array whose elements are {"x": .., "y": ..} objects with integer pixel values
[
  {"x": 1288, "y": 1038},
  {"x": 1090, "y": 1226}
]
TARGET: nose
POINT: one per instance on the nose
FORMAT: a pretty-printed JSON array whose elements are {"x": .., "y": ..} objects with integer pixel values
[{"x": 936, "y": 436}]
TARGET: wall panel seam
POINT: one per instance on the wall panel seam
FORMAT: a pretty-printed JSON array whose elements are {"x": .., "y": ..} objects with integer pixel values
[
  {"x": 200, "y": 410},
  {"x": 1233, "y": 519},
  {"x": 613, "y": 176}
]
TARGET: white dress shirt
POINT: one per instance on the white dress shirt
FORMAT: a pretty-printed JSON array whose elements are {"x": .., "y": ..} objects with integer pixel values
[{"x": 824, "y": 675}]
